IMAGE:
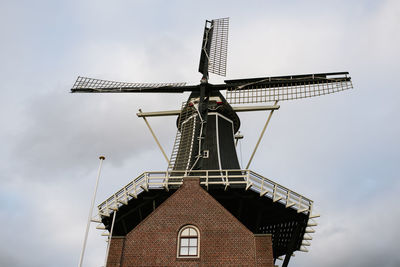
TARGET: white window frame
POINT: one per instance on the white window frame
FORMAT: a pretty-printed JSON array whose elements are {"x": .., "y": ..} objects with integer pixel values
[{"x": 178, "y": 252}]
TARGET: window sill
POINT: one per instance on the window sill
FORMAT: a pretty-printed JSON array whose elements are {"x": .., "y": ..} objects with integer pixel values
[{"x": 188, "y": 258}]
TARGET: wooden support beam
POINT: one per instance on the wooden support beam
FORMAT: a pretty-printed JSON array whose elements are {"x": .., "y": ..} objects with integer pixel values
[
  {"x": 95, "y": 220},
  {"x": 250, "y": 184},
  {"x": 154, "y": 136},
  {"x": 132, "y": 195},
  {"x": 261, "y": 136},
  {"x": 145, "y": 188},
  {"x": 123, "y": 201},
  {"x": 100, "y": 227}
]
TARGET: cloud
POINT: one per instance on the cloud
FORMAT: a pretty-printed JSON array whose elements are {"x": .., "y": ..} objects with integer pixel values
[
  {"x": 358, "y": 234},
  {"x": 340, "y": 150}
]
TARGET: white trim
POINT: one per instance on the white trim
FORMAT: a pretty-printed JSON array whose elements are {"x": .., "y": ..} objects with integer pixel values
[
  {"x": 178, "y": 244},
  {"x": 233, "y": 138},
  {"x": 217, "y": 137},
  {"x": 219, "y": 114},
  {"x": 192, "y": 117},
  {"x": 192, "y": 142}
]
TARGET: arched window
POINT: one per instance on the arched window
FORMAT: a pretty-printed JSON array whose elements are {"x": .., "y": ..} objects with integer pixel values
[{"x": 188, "y": 242}]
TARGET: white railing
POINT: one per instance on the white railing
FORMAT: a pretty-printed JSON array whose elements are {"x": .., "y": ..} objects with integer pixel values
[{"x": 173, "y": 179}]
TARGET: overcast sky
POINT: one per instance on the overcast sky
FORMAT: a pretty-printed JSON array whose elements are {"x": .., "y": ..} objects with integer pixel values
[{"x": 340, "y": 150}]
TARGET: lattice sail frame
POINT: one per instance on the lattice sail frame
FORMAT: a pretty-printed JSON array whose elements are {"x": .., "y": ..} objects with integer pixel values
[
  {"x": 277, "y": 89},
  {"x": 219, "y": 47},
  {"x": 104, "y": 85}
]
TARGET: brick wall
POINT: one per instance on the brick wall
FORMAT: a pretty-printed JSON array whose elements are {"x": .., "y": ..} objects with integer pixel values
[
  {"x": 223, "y": 239},
  {"x": 263, "y": 249},
  {"x": 115, "y": 254}
]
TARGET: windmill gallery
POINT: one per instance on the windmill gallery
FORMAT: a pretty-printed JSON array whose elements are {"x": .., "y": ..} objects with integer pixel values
[{"x": 205, "y": 209}]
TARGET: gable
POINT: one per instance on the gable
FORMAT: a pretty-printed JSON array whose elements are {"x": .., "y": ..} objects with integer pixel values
[{"x": 224, "y": 240}]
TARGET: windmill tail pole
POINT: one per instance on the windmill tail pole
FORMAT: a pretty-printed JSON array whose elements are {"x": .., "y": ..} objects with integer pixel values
[
  {"x": 261, "y": 136},
  {"x": 102, "y": 158}
]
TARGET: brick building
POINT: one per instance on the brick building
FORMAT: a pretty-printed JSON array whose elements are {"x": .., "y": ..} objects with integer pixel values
[{"x": 218, "y": 237}]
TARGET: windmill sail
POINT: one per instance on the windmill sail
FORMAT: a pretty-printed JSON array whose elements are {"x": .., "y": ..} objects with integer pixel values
[
  {"x": 90, "y": 85},
  {"x": 268, "y": 89},
  {"x": 219, "y": 47},
  {"x": 214, "y": 48}
]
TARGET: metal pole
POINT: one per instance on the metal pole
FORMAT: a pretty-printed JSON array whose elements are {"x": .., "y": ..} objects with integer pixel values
[
  {"x": 109, "y": 238},
  {"x": 155, "y": 138},
  {"x": 90, "y": 211},
  {"x": 261, "y": 136}
]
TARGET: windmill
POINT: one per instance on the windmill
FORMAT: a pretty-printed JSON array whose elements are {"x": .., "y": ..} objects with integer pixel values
[{"x": 205, "y": 141}]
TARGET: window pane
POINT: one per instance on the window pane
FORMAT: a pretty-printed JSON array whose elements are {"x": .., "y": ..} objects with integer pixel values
[
  {"x": 184, "y": 242},
  {"x": 193, "y": 242},
  {"x": 192, "y": 232},
  {"x": 184, "y": 251},
  {"x": 192, "y": 251},
  {"x": 185, "y": 232}
]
